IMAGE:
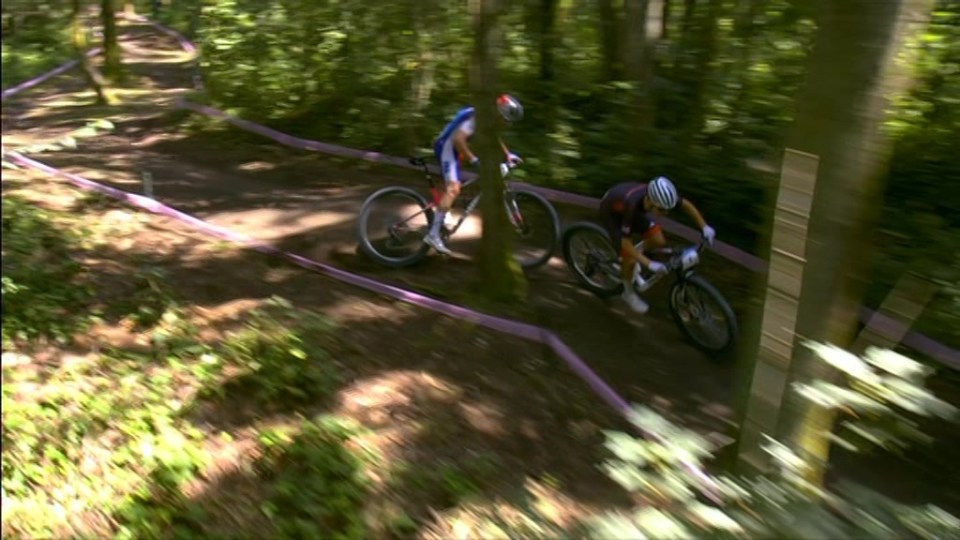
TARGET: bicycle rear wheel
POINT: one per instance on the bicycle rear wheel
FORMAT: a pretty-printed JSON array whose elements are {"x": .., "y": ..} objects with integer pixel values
[
  {"x": 592, "y": 259},
  {"x": 392, "y": 224},
  {"x": 536, "y": 227},
  {"x": 703, "y": 315}
]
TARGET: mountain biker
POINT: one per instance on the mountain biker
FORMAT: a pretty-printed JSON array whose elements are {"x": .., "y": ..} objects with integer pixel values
[
  {"x": 623, "y": 211},
  {"x": 451, "y": 148}
]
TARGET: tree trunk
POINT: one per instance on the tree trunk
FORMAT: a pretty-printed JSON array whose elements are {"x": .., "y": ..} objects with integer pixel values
[
  {"x": 839, "y": 119},
  {"x": 89, "y": 71},
  {"x": 665, "y": 19},
  {"x": 642, "y": 31},
  {"x": 422, "y": 80},
  {"x": 500, "y": 274},
  {"x": 548, "y": 40},
  {"x": 651, "y": 26},
  {"x": 112, "y": 66},
  {"x": 634, "y": 37},
  {"x": 744, "y": 30},
  {"x": 705, "y": 47},
  {"x": 610, "y": 41}
]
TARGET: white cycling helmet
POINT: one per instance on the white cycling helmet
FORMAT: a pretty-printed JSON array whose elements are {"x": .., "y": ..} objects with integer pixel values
[
  {"x": 510, "y": 109},
  {"x": 663, "y": 193}
]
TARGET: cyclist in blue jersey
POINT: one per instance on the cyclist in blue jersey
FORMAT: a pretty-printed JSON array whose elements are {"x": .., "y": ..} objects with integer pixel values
[
  {"x": 623, "y": 210},
  {"x": 451, "y": 147}
]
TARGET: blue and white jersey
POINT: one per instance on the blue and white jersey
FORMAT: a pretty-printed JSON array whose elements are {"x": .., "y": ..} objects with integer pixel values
[{"x": 464, "y": 121}]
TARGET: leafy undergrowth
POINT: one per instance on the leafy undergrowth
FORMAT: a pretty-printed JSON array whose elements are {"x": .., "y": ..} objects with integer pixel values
[{"x": 129, "y": 413}]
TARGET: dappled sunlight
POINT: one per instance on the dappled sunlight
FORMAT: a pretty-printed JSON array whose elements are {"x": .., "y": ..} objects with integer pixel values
[
  {"x": 545, "y": 512},
  {"x": 276, "y": 223},
  {"x": 145, "y": 93},
  {"x": 230, "y": 309},
  {"x": 483, "y": 417},
  {"x": 374, "y": 399},
  {"x": 351, "y": 309},
  {"x": 387, "y": 404},
  {"x": 122, "y": 179},
  {"x": 470, "y": 229},
  {"x": 156, "y": 56},
  {"x": 257, "y": 166},
  {"x": 156, "y": 138}
]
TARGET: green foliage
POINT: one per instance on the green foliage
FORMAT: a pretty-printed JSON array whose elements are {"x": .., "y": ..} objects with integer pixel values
[
  {"x": 43, "y": 290},
  {"x": 281, "y": 357},
  {"x": 316, "y": 484},
  {"x": 35, "y": 39},
  {"x": 676, "y": 498},
  {"x": 147, "y": 302},
  {"x": 388, "y": 76},
  {"x": 85, "y": 437},
  {"x": 446, "y": 483},
  {"x": 920, "y": 224}
]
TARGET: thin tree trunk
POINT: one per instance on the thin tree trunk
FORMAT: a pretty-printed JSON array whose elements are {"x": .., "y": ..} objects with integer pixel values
[
  {"x": 112, "y": 66},
  {"x": 548, "y": 39},
  {"x": 422, "y": 80},
  {"x": 89, "y": 71},
  {"x": 664, "y": 19},
  {"x": 706, "y": 49},
  {"x": 500, "y": 274},
  {"x": 743, "y": 32},
  {"x": 839, "y": 119},
  {"x": 610, "y": 41},
  {"x": 634, "y": 37},
  {"x": 655, "y": 28}
]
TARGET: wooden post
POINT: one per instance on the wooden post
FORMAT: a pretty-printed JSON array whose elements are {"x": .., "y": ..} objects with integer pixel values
[{"x": 787, "y": 259}]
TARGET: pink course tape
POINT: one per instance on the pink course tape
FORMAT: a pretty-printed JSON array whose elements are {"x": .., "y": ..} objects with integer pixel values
[
  {"x": 946, "y": 355},
  {"x": 52, "y": 73},
  {"x": 515, "y": 328}
]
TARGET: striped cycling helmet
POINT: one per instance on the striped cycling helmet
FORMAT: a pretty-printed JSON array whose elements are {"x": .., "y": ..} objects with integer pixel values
[
  {"x": 509, "y": 108},
  {"x": 663, "y": 193}
]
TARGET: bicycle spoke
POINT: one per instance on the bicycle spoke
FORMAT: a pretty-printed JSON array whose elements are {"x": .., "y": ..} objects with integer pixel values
[
  {"x": 534, "y": 228},
  {"x": 395, "y": 225}
]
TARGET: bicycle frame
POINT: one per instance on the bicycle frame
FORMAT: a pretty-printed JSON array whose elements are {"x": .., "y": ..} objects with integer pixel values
[
  {"x": 513, "y": 213},
  {"x": 681, "y": 263}
]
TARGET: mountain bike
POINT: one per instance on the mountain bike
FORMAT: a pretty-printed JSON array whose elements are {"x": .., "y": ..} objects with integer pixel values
[
  {"x": 700, "y": 311},
  {"x": 394, "y": 220}
]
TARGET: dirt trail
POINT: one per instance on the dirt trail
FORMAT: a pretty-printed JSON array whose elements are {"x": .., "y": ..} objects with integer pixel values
[{"x": 306, "y": 203}]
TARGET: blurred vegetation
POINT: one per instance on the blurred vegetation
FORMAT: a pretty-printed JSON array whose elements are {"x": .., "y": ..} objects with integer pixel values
[
  {"x": 43, "y": 291},
  {"x": 36, "y": 38},
  {"x": 883, "y": 396}
]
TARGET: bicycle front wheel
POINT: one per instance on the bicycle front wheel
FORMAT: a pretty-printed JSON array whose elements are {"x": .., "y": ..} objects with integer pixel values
[
  {"x": 392, "y": 224},
  {"x": 591, "y": 258},
  {"x": 703, "y": 315},
  {"x": 536, "y": 227}
]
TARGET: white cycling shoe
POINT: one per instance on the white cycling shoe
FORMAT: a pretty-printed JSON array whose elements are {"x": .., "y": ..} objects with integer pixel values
[
  {"x": 434, "y": 241},
  {"x": 634, "y": 301}
]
